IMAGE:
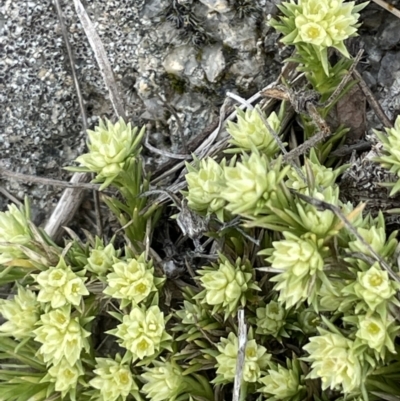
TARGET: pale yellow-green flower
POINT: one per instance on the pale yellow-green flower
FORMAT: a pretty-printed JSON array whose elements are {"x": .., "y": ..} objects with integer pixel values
[
  {"x": 318, "y": 176},
  {"x": 65, "y": 376},
  {"x": 252, "y": 185},
  {"x": 14, "y": 229},
  {"x": 256, "y": 359},
  {"x": 21, "y": 313},
  {"x": 132, "y": 281},
  {"x": 321, "y": 23},
  {"x": 111, "y": 146},
  {"x": 166, "y": 381},
  {"x": 320, "y": 222},
  {"x": 250, "y": 132},
  {"x": 225, "y": 285},
  {"x": 142, "y": 332},
  {"x": 101, "y": 258},
  {"x": 163, "y": 382},
  {"x": 113, "y": 380},
  {"x": 390, "y": 159},
  {"x": 61, "y": 336},
  {"x": 60, "y": 286},
  {"x": 377, "y": 333},
  {"x": 270, "y": 319},
  {"x": 205, "y": 185},
  {"x": 334, "y": 362},
  {"x": 374, "y": 236},
  {"x": 330, "y": 296},
  {"x": 374, "y": 286},
  {"x": 281, "y": 384},
  {"x": 301, "y": 261}
]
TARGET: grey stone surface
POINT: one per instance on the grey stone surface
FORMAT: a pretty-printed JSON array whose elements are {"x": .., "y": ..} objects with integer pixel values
[
  {"x": 180, "y": 53},
  {"x": 389, "y": 33},
  {"x": 390, "y": 68}
]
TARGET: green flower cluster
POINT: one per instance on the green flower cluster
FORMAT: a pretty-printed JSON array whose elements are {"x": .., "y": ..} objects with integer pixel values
[
  {"x": 334, "y": 361},
  {"x": 301, "y": 262},
  {"x": 101, "y": 258},
  {"x": 14, "y": 230},
  {"x": 132, "y": 280},
  {"x": 282, "y": 384},
  {"x": 271, "y": 320},
  {"x": 165, "y": 381},
  {"x": 250, "y": 133},
  {"x": 61, "y": 336},
  {"x": 60, "y": 286},
  {"x": 322, "y": 24},
  {"x": 64, "y": 376},
  {"x": 390, "y": 159},
  {"x": 22, "y": 314},
  {"x": 113, "y": 380},
  {"x": 226, "y": 285},
  {"x": 111, "y": 148},
  {"x": 255, "y": 361},
  {"x": 142, "y": 332},
  {"x": 204, "y": 187}
]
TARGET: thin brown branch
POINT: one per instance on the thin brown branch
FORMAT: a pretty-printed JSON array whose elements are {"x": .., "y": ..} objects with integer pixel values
[
  {"x": 102, "y": 60},
  {"x": 388, "y": 7},
  {"x": 322, "y": 205},
  {"x": 372, "y": 101},
  {"x": 46, "y": 181},
  {"x": 9, "y": 196},
  {"x": 72, "y": 64}
]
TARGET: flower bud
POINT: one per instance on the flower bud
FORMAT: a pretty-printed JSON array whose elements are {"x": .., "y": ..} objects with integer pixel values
[
  {"x": 282, "y": 384},
  {"x": 270, "y": 319},
  {"x": 391, "y": 157},
  {"x": 101, "y": 258},
  {"x": 250, "y": 132},
  {"x": 301, "y": 259},
  {"x": 14, "y": 229},
  {"x": 226, "y": 285},
  {"x": 252, "y": 184},
  {"x": 111, "y": 146},
  {"x": 205, "y": 186},
  {"x": 21, "y": 313}
]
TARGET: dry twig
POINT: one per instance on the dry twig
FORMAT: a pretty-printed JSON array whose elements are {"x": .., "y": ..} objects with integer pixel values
[
  {"x": 242, "y": 335},
  {"x": 322, "y": 205},
  {"x": 102, "y": 60},
  {"x": 372, "y": 101},
  {"x": 48, "y": 181},
  {"x": 388, "y": 7}
]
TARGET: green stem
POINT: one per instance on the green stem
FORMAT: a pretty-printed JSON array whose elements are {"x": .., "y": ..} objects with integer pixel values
[{"x": 243, "y": 391}]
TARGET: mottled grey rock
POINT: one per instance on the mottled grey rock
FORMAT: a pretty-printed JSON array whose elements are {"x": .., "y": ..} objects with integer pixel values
[
  {"x": 389, "y": 34},
  {"x": 213, "y": 62},
  {"x": 390, "y": 68},
  {"x": 220, "y": 6},
  {"x": 179, "y": 53},
  {"x": 390, "y": 99},
  {"x": 240, "y": 35},
  {"x": 176, "y": 61}
]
